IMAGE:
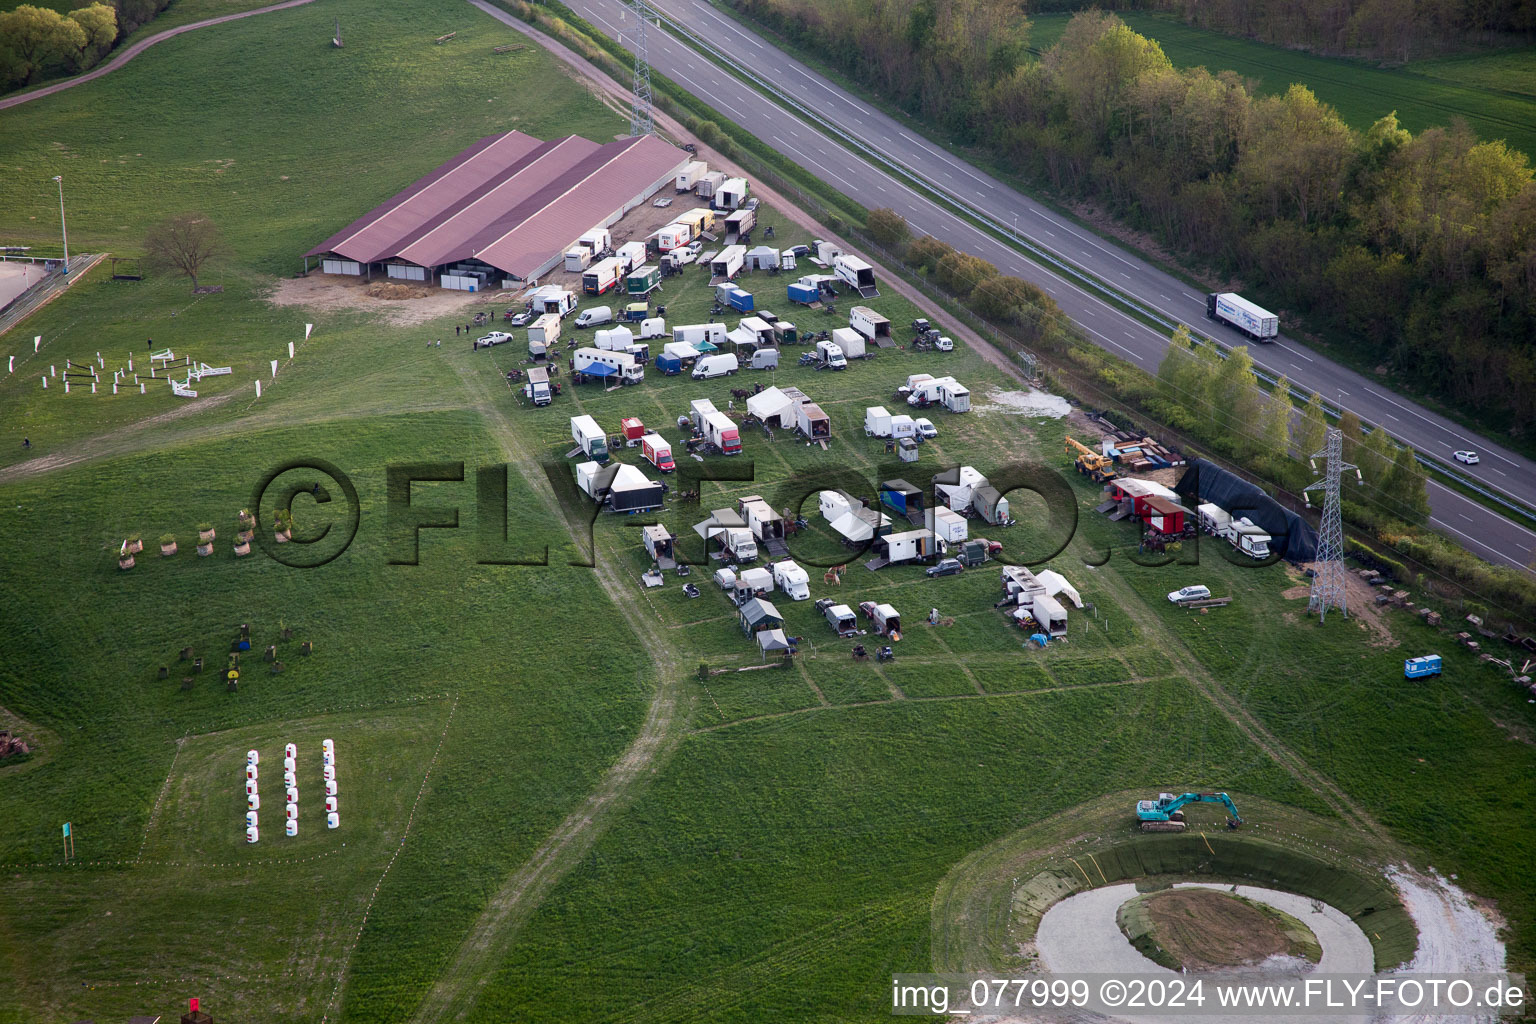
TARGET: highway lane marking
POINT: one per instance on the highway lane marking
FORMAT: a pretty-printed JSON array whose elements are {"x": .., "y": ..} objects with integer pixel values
[
  {"x": 1462, "y": 437},
  {"x": 1471, "y": 539},
  {"x": 930, "y": 150},
  {"x": 1163, "y": 297},
  {"x": 1465, "y": 516}
]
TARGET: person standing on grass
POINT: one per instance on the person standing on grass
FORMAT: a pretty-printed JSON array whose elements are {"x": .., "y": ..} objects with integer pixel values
[{"x": 455, "y": 330}]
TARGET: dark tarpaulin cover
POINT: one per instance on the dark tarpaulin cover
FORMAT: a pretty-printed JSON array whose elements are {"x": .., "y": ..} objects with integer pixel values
[{"x": 1290, "y": 535}]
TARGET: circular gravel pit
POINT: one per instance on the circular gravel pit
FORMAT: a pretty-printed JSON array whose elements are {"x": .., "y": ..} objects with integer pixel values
[{"x": 1199, "y": 929}]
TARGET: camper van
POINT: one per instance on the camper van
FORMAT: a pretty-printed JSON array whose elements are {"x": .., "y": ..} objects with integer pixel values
[
  {"x": 718, "y": 365},
  {"x": 536, "y": 387},
  {"x": 722, "y": 433},
  {"x": 794, "y": 581},
  {"x": 657, "y": 450},
  {"x": 598, "y": 363},
  {"x": 589, "y": 437}
]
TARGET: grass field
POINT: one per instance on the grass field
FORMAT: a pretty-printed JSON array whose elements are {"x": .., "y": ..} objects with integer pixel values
[
  {"x": 1493, "y": 92},
  {"x": 778, "y": 858}
]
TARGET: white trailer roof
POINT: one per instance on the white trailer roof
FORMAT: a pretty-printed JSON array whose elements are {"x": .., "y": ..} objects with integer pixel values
[{"x": 1249, "y": 307}]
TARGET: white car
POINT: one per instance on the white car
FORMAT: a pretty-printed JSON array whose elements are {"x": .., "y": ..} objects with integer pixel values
[
  {"x": 494, "y": 338},
  {"x": 944, "y": 345},
  {"x": 695, "y": 248},
  {"x": 925, "y": 429},
  {"x": 1186, "y": 594},
  {"x": 1470, "y": 458}
]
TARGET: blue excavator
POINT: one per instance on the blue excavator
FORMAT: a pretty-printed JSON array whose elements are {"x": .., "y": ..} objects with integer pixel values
[{"x": 1165, "y": 815}]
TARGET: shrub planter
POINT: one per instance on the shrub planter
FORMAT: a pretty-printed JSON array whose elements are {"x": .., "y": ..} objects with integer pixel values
[
  {"x": 135, "y": 544},
  {"x": 167, "y": 545},
  {"x": 125, "y": 561},
  {"x": 243, "y": 548},
  {"x": 246, "y": 520},
  {"x": 244, "y": 535},
  {"x": 204, "y": 550},
  {"x": 205, "y": 532}
]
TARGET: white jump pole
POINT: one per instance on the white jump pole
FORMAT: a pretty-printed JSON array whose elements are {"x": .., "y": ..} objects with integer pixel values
[
  {"x": 141, "y": 387},
  {"x": 274, "y": 369},
  {"x": 36, "y": 342},
  {"x": 258, "y": 389},
  {"x": 45, "y": 382},
  {"x": 10, "y": 367},
  {"x": 290, "y": 350},
  {"x": 307, "y": 329}
]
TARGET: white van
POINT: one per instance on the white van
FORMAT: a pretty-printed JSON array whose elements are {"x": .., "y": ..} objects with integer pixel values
[
  {"x": 1184, "y": 595},
  {"x": 721, "y": 365},
  {"x": 595, "y": 316}
]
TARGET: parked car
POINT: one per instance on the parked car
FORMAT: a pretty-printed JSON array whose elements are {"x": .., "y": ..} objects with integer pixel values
[
  {"x": 799, "y": 251},
  {"x": 944, "y": 344},
  {"x": 946, "y": 567},
  {"x": 925, "y": 428},
  {"x": 1186, "y": 594},
  {"x": 1470, "y": 458},
  {"x": 494, "y": 338},
  {"x": 695, "y": 247},
  {"x": 752, "y": 203},
  {"x": 522, "y": 318}
]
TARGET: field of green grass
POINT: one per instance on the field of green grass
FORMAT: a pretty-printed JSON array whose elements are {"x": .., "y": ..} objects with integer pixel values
[
  {"x": 1492, "y": 92},
  {"x": 777, "y": 857}
]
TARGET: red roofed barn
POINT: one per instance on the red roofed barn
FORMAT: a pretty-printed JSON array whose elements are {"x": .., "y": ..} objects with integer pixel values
[{"x": 507, "y": 207}]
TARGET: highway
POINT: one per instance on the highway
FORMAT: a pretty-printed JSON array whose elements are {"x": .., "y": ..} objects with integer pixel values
[{"x": 1487, "y": 533}]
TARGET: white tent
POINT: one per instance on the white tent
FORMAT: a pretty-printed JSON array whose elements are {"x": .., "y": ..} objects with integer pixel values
[
  {"x": 1056, "y": 584},
  {"x": 773, "y": 406},
  {"x": 773, "y": 640},
  {"x": 859, "y": 525}
]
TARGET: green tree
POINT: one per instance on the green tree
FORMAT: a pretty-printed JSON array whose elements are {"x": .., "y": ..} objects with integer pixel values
[
  {"x": 1235, "y": 397},
  {"x": 1405, "y": 488},
  {"x": 960, "y": 272},
  {"x": 1354, "y": 436},
  {"x": 1275, "y": 420},
  {"x": 98, "y": 22},
  {"x": 889, "y": 228},
  {"x": 1001, "y": 297},
  {"x": 1312, "y": 430},
  {"x": 926, "y": 252},
  {"x": 1375, "y": 459},
  {"x": 37, "y": 36}
]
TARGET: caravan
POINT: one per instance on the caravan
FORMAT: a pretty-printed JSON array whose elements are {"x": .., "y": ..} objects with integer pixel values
[
  {"x": 552, "y": 298},
  {"x": 692, "y": 334},
  {"x": 794, "y": 581},
  {"x": 597, "y": 363}
]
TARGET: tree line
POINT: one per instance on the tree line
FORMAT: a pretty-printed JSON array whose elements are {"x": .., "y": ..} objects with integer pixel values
[
  {"x": 1419, "y": 249},
  {"x": 40, "y": 41},
  {"x": 1385, "y": 30}
]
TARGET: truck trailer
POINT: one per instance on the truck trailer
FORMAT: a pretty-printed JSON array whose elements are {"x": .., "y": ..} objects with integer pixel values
[
  {"x": 1232, "y": 309},
  {"x": 690, "y": 175},
  {"x": 590, "y": 438},
  {"x": 857, "y": 274},
  {"x": 601, "y": 277}
]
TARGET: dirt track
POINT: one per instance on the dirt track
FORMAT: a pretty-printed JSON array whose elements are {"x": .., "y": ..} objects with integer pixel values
[{"x": 137, "y": 48}]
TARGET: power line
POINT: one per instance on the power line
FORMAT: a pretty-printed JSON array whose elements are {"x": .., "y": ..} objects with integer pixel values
[{"x": 1328, "y": 569}]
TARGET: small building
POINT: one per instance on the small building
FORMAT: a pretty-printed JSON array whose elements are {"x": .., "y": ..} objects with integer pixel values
[
  {"x": 1164, "y": 516},
  {"x": 759, "y": 614},
  {"x": 661, "y": 546}
]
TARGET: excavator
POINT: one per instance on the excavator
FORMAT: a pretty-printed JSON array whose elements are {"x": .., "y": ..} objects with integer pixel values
[
  {"x": 1164, "y": 814},
  {"x": 1100, "y": 468}
]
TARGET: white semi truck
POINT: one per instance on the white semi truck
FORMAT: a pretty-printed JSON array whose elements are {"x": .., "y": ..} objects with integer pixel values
[{"x": 1230, "y": 308}]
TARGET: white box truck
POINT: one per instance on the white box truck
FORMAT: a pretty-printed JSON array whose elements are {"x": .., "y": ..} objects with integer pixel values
[
  {"x": 697, "y": 410},
  {"x": 622, "y": 365},
  {"x": 1232, "y": 309},
  {"x": 727, "y": 264},
  {"x": 536, "y": 386},
  {"x": 794, "y": 581},
  {"x": 877, "y": 421},
  {"x": 831, "y": 355},
  {"x": 723, "y": 433},
  {"x": 690, "y": 175},
  {"x": 851, "y": 342},
  {"x": 672, "y": 236},
  {"x": 589, "y": 437},
  {"x": 721, "y": 364},
  {"x": 657, "y": 450}
]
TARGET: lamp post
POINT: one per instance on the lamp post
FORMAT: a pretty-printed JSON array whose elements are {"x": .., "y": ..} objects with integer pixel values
[{"x": 63, "y": 225}]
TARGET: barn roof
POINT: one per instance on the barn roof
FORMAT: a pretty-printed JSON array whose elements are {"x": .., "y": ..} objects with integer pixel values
[{"x": 509, "y": 200}]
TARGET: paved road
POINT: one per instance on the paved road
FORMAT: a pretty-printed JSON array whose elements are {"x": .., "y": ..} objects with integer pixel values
[
  {"x": 1486, "y": 533},
  {"x": 137, "y": 48}
]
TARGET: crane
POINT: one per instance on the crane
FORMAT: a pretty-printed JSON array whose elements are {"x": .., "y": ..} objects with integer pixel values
[
  {"x": 1164, "y": 815},
  {"x": 1091, "y": 463}
]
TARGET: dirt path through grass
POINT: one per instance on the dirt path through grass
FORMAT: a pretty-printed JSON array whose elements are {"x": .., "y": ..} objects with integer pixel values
[
  {"x": 511, "y": 907},
  {"x": 136, "y": 49}
]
